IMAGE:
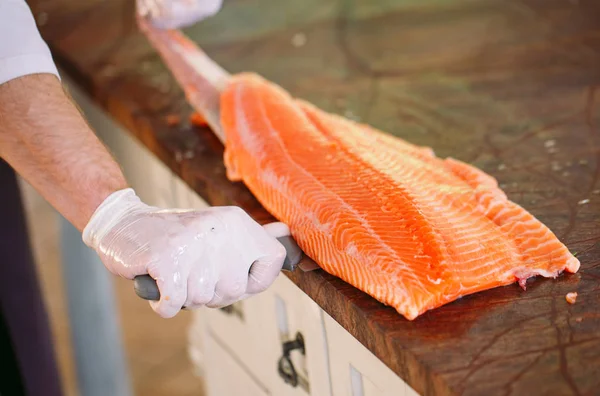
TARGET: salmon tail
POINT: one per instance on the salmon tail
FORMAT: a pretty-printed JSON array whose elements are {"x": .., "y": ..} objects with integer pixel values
[
  {"x": 541, "y": 251},
  {"x": 200, "y": 77}
]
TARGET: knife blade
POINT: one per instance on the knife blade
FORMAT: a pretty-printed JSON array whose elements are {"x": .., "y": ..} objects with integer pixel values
[{"x": 146, "y": 288}]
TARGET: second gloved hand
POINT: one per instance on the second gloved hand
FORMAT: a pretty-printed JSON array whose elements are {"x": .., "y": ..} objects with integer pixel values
[
  {"x": 176, "y": 14},
  {"x": 211, "y": 257}
]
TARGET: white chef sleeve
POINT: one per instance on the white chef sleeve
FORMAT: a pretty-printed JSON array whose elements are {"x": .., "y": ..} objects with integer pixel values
[{"x": 22, "y": 49}]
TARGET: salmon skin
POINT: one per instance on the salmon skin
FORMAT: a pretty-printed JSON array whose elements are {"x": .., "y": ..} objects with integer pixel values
[{"x": 410, "y": 229}]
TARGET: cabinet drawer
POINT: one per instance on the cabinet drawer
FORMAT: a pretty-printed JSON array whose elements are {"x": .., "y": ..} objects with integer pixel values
[
  {"x": 195, "y": 337},
  {"x": 355, "y": 371},
  {"x": 288, "y": 312},
  {"x": 161, "y": 179},
  {"x": 254, "y": 330},
  {"x": 239, "y": 327},
  {"x": 225, "y": 375}
]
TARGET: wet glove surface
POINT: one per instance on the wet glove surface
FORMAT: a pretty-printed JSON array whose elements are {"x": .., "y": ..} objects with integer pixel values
[
  {"x": 212, "y": 257},
  {"x": 176, "y": 14}
]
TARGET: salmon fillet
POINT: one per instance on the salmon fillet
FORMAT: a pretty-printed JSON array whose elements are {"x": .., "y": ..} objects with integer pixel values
[{"x": 410, "y": 229}]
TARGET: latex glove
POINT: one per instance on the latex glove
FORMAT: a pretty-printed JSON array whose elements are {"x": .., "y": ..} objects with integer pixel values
[
  {"x": 211, "y": 257},
  {"x": 176, "y": 14}
]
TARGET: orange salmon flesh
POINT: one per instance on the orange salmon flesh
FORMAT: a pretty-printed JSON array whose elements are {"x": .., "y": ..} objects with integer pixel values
[{"x": 410, "y": 229}]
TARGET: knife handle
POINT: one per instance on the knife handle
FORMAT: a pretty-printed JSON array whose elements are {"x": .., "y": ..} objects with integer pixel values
[{"x": 145, "y": 286}]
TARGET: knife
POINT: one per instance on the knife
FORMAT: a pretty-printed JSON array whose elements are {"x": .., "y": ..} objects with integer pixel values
[{"x": 145, "y": 286}]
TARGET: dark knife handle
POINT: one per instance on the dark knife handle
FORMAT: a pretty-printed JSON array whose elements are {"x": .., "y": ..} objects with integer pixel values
[{"x": 146, "y": 288}]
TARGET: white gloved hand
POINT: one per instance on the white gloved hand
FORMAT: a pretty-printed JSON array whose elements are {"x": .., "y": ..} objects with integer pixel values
[
  {"x": 212, "y": 257},
  {"x": 176, "y": 14}
]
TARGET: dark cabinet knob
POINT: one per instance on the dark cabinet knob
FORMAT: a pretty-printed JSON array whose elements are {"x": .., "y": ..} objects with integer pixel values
[{"x": 285, "y": 366}]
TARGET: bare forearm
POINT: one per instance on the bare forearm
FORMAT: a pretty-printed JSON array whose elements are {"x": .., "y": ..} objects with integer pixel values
[{"x": 45, "y": 138}]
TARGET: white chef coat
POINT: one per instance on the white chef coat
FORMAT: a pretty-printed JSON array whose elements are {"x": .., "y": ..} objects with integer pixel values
[{"x": 22, "y": 49}]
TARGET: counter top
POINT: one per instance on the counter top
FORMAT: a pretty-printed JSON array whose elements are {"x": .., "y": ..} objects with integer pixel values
[{"x": 508, "y": 85}]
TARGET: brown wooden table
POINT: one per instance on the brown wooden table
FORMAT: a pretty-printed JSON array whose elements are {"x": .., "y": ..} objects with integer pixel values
[{"x": 509, "y": 85}]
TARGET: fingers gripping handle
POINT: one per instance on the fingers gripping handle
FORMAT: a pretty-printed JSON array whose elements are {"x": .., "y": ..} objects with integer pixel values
[{"x": 145, "y": 286}]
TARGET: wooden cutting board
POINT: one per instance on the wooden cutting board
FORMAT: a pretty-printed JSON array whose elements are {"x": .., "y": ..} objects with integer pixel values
[{"x": 508, "y": 85}]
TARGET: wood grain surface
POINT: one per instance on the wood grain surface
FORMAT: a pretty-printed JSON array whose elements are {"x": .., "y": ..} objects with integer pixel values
[{"x": 508, "y": 85}]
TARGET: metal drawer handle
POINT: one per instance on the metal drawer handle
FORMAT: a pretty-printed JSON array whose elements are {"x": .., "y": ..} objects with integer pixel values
[{"x": 286, "y": 368}]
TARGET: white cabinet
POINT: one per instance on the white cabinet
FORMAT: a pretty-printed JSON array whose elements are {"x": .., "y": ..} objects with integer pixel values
[
  {"x": 239, "y": 327},
  {"x": 293, "y": 320},
  {"x": 226, "y": 376},
  {"x": 254, "y": 332},
  {"x": 355, "y": 371},
  {"x": 185, "y": 197},
  {"x": 163, "y": 185},
  {"x": 195, "y": 337},
  {"x": 332, "y": 362}
]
